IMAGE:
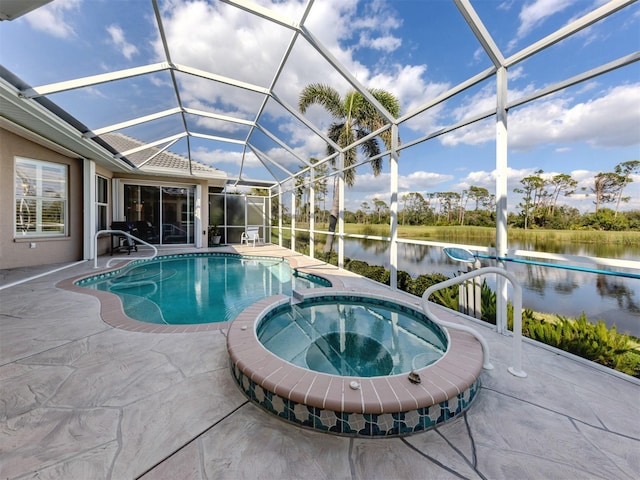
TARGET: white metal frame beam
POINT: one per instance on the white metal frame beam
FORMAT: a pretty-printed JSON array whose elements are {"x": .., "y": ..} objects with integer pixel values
[
  {"x": 589, "y": 19},
  {"x": 480, "y": 31},
  {"x": 461, "y": 87},
  {"x": 93, "y": 80},
  {"x": 594, "y": 72}
]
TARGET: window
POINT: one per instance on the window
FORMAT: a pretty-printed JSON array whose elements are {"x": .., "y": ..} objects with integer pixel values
[
  {"x": 40, "y": 198},
  {"x": 102, "y": 203}
]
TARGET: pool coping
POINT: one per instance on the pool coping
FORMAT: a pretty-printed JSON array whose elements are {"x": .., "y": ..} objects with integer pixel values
[
  {"x": 449, "y": 377},
  {"x": 112, "y": 311}
]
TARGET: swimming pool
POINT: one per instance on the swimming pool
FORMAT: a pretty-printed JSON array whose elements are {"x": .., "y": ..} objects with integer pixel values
[{"x": 199, "y": 288}]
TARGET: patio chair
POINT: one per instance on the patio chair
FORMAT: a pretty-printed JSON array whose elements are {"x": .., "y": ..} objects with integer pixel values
[
  {"x": 122, "y": 242},
  {"x": 251, "y": 234},
  {"x": 146, "y": 231}
]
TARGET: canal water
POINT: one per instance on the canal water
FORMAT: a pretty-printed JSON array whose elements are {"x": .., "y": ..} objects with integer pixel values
[{"x": 614, "y": 299}]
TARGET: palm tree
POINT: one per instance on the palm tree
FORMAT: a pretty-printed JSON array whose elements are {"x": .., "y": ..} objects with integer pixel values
[{"x": 353, "y": 119}]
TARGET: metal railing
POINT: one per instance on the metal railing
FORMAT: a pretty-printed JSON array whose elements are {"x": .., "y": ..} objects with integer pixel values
[
  {"x": 126, "y": 234},
  {"x": 516, "y": 368}
]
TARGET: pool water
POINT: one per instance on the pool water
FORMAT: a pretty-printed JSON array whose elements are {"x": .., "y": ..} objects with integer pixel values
[
  {"x": 361, "y": 337},
  {"x": 194, "y": 289}
]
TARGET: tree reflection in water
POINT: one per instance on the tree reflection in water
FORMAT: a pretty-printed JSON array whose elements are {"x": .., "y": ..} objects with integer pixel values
[
  {"x": 613, "y": 287},
  {"x": 615, "y": 300}
]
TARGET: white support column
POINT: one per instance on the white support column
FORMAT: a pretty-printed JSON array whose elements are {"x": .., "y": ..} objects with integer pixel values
[
  {"x": 246, "y": 215},
  {"x": 312, "y": 212},
  {"x": 393, "y": 209},
  {"x": 501, "y": 194},
  {"x": 293, "y": 220},
  {"x": 280, "y": 215},
  {"x": 340, "y": 187},
  {"x": 197, "y": 218},
  {"x": 266, "y": 206},
  {"x": 89, "y": 215}
]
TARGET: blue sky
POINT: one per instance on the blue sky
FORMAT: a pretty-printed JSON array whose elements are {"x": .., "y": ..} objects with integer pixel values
[{"x": 416, "y": 49}]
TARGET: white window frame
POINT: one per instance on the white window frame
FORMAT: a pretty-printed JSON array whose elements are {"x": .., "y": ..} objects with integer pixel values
[
  {"x": 30, "y": 190},
  {"x": 102, "y": 204}
]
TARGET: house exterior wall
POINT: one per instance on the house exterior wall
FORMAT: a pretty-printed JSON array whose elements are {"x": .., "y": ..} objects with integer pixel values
[{"x": 17, "y": 251}]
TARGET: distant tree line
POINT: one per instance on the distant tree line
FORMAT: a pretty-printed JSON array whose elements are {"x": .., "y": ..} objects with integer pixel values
[{"x": 540, "y": 207}]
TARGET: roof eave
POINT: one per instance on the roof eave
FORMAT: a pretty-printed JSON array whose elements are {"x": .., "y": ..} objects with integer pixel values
[
  {"x": 40, "y": 122},
  {"x": 217, "y": 178}
]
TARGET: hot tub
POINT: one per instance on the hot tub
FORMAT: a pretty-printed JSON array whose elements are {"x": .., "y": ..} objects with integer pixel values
[{"x": 352, "y": 364}]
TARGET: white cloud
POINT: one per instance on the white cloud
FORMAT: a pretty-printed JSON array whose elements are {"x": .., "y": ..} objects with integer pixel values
[
  {"x": 421, "y": 180},
  {"x": 605, "y": 121},
  {"x": 487, "y": 179},
  {"x": 407, "y": 83},
  {"x": 225, "y": 160},
  {"x": 478, "y": 54},
  {"x": 285, "y": 159},
  {"x": 120, "y": 42},
  {"x": 517, "y": 73},
  {"x": 51, "y": 18},
  {"x": 226, "y": 40},
  {"x": 305, "y": 140},
  {"x": 535, "y": 13},
  {"x": 506, "y": 5},
  {"x": 611, "y": 120},
  {"x": 386, "y": 43}
]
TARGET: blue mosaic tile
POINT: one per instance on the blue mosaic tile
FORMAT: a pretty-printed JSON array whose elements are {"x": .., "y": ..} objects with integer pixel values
[
  {"x": 371, "y": 429},
  {"x": 267, "y": 401},
  {"x": 352, "y": 424}
]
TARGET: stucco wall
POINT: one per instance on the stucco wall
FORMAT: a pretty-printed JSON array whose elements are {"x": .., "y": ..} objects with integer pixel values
[{"x": 17, "y": 251}]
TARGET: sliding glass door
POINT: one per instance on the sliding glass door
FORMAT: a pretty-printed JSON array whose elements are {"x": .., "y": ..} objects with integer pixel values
[
  {"x": 177, "y": 215},
  {"x": 160, "y": 214}
]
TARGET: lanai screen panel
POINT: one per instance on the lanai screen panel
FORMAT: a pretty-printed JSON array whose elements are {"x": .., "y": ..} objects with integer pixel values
[{"x": 214, "y": 61}]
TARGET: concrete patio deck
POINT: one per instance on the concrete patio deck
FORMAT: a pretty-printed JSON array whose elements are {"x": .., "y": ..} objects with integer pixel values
[{"x": 80, "y": 399}]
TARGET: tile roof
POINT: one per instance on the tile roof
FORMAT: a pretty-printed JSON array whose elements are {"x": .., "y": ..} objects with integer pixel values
[{"x": 160, "y": 160}]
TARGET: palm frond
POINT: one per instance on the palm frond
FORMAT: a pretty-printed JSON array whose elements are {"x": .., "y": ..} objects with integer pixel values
[
  {"x": 323, "y": 95},
  {"x": 387, "y": 100},
  {"x": 370, "y": 149},
  {"x": 355, "y": 118}
]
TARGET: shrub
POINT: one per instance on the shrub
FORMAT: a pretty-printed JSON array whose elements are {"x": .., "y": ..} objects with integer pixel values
[
  {"x": 379, "y": 274},
  {"x": 422, "y": 282},
  {"x": 595, "y": 342},
  {"x": 357, "y": 266},
  {"x": 404, "y": 281}
]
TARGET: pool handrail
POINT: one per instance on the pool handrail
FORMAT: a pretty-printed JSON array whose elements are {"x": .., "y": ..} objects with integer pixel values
[
  {"x": 516, "y": 368},
  {"x": 126, "y": 234}
]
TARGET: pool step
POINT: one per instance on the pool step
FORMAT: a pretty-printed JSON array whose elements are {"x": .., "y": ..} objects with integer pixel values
[{"x": 296, "y": 297}]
